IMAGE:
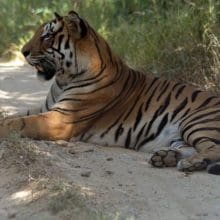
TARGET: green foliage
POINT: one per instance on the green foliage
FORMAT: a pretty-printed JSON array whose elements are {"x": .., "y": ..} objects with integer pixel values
[
  {"x": 18, "y": 19},
  {"x": 172, "y": 38}
]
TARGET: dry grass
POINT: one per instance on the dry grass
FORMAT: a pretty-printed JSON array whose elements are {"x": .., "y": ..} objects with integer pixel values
[
  {"x": 20, "y": 150},
  {"x": 3, "y": 114},
  {"x": 25, "y": 156},
  {"x": 67, "y": 201}
]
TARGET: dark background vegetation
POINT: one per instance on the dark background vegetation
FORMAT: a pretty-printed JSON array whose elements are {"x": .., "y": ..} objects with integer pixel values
[{"x": 171, "y": 38}]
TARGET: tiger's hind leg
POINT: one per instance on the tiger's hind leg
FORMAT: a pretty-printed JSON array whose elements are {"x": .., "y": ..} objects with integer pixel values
[
  {"x": 201, "y": 130},
  {"x": 208, "y": 154}
]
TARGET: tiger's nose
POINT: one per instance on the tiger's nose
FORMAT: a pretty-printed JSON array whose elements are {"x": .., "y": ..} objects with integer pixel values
[{"x": 26, "y": 53}]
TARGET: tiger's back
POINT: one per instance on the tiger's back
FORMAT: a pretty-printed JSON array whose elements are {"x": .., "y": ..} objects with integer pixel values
[{"x": 97, "y": 98}]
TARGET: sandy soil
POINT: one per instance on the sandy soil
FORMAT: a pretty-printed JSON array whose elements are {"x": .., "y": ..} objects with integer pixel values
[{"x": 48, "y": 180}]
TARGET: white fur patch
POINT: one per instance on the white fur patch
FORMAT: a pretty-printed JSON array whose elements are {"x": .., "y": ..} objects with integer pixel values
[{"x": 169, "y": 133}]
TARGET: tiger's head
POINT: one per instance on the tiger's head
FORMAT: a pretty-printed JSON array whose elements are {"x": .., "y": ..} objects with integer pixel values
[{"x": 66, "y": 45}]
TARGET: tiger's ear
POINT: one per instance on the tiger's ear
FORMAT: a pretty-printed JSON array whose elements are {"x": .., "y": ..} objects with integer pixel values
[
  {"x": 58, "y": 17},
  {"x": 76, "y": 24}
]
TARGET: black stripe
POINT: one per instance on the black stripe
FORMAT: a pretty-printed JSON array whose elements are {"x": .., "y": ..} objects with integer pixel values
[
  {"x": 142, "y": 87},
  {"x": 61, "y": 112},
  {"x": 102, "y": 87},
  {"x": 92, "y": 78},
  {"x": 150, "y": 98},
  {"x": 59, "y": 30},
  {"x": 128, "y": 139},
  {"x": 109, "y": 105},
  {"x": 60, "y": 53},
  {"x": 146, "y": 140},
  {"x": 112, "y": 103},
  {"x": 111, "y": 126},
  {"x": 176, "y": 85},
  {"x": 196, "y": 113},
  {"x": 138, "y": 117},
  {"x": 163, "y": 84},
  {"x": 206, "y": 102},
  {"x": 158, "y": 112},
  {"x": 179, "y": 91},
  {"x": 179, "y": 108},
  {"x": 166, "y": 103},
  {"x": 67, "y": 44},
  {"x": 152, "y": 83},
  {"x": 203, "y": 115},
  {"x": 60, "y": 39},
  {"x": 162, "y": 124},
  {"x": 184, "y": 115},
  {"x": 183, "y": 131},
  {"x": 118, "y": 132},
  {"x": 195, "y": 94},
  {"x": 71, "y": 100},
  {"x": 216, "y": 104},
  {"x": 163, "y": 91},
  {"x": 140, "y": 133},
  {"x": 82, "y": 136},
  {"x": 202, "y": 129},
  {"x": 46, "y": 104},
  {"x": 197, "y": 140},
  {"x": 87, "y": 139},
  {"x": 159, "y": 130},
  {"x": 83, "y": 28},
  {"x": 94, "y": 34},
  {"x": 83, "y": 85},
  {"x": 67, "y": 110}
]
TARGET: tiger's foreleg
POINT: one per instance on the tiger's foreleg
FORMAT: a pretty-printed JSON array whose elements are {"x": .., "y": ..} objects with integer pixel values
[{"x": 47, "y": 126}]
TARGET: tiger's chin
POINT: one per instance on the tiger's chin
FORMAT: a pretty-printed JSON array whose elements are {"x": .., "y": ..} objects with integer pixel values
[{"x": 45, "y": 74}]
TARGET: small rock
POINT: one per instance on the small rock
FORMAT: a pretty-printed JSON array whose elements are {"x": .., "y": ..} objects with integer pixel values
[
  {"x": 109, "y": 159},
  {"x": 82, "y": 149},
  {"x": 202, "y": 214},
  {"x": 12, "y": 215},
  {"x": 72, "y": 151},
  {"x": 86, "y": 174},
  {"x": 109, "y": 172},
  {"x": 87, "y": 151},
  {"x": 62, "y": 143}
]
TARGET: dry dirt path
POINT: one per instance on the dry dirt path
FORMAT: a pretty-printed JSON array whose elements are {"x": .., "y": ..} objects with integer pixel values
[{"x": 81, "y": 181}]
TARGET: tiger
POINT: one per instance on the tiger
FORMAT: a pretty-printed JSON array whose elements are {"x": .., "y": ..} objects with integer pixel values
[{"x": 97, "y": 98}]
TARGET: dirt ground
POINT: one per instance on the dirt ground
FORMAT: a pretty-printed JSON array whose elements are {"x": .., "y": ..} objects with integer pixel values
[{"x": 60, "y": 180}]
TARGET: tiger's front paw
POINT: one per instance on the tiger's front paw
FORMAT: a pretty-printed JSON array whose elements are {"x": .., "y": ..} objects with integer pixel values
[
  {"x": 189, "y": 165},
  {"x": 164, "y": 158}
]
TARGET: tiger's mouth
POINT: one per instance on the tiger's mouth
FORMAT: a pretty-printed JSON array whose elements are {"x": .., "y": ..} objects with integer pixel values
[{"x": 45, "y": 70}]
